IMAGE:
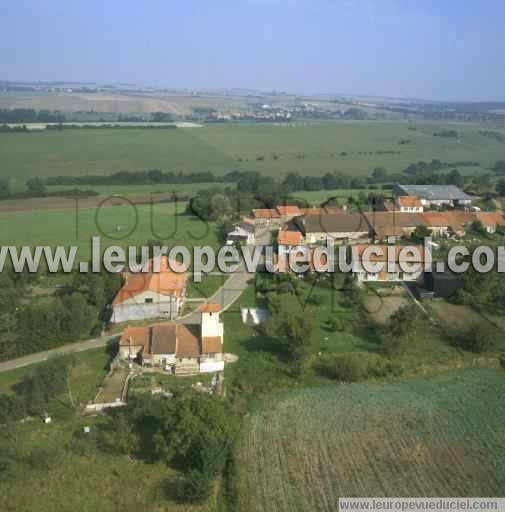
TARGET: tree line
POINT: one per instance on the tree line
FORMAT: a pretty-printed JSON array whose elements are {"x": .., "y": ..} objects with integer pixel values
[{"x": 74, "y": 311}]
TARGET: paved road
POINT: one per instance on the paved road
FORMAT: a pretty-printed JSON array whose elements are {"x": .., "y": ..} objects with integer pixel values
[{"x": 71, "y": 348}]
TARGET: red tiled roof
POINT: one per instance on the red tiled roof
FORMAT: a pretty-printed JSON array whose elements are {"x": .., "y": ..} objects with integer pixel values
[
  {"x": 136, "y": 337},
  {"x": 164, "y": 282},
  {"x": 409, "y": 201},
  {"x": 456, "y": 220},
  {"x": 188, "y": 342},
  {"x": 265, "y": 213},
  {"x": 289, "y": 237},
  {"x": 313, "y": 211},
  {"x": 491, "y": 218},
  {"x": 164, "y": 338},
  {"x": 288, "y": 210},
  {"x": 210, "y": 307}
]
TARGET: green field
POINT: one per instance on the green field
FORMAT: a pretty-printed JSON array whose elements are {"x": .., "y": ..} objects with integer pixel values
[
  {"x": 136, "y": 226},
  {"x": 441, "y": 436},
  {"x": 129, "y": 190},
  {"x": 312, "y": 148}
]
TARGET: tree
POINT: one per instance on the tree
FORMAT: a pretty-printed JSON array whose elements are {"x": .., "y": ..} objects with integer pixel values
[
  {"x": 292, "y": 328},
  {"x": 455, "y": 178},
  {"x": 330, "y": 181},
  {"x": 400, "y": 329},
  {"x": 211, "y": 204},
  {"x": 80, "y": 316},
  {"x": 36, "y": 187},
  {"x": 47, "y": 382},
  {"x": 499, "y": 167},
  {"x": 4, "y": 188},
  {"x": 478, "y": 338},
  {"x": 379, "y": 174},
  {"x": 420, "y": 233},
  {"x": 120, "y": 436},
  {"x": 500, "y": 187},
  {"x": 477, "y": 228}
]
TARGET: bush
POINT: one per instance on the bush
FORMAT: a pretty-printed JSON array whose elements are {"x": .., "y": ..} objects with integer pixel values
[
  {"x": 478, "y": 338},
  {"x": 315, "y": 300},
  {"x": 356, "y": 366},
  {"x": 334, "y": 324},
  {"x": 195, "y": 487}
]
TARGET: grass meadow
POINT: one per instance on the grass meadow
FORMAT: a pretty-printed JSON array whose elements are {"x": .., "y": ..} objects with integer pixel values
[
  {"x": 122, "y": 225},
  {"x": 304, "y": 449},
  {"x": 351, "y": 147}
]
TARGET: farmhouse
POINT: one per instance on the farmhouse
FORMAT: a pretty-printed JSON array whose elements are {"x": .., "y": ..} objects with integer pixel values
[
  {"x": 434, "y": 195},
  {"x": 342, "y": 227},
  {"x": 243, "y": 233},
  {"x": 288, "y": 212},
  {"x": 287, "y": 239},
  {"x": 151, "y": 294},
  {"x": 182, "y": 349},
  {"x": 398, "y": 224},
  {"x": 450, "y": 223},
  {"x": 266, "y": 218},
  {"x": 391, "y": 257},
  {"x": 408, "y": 204},
  {"x": 491, "y": 220}
]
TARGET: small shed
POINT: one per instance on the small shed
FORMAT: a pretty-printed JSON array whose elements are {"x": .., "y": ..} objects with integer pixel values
[{"x": 443, "y": 284}]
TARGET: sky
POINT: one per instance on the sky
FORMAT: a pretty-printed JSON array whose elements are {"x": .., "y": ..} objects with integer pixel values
[{"x": 429, "y": 49}]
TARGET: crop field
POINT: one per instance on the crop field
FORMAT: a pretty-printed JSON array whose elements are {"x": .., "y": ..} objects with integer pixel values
[
  {"x": 441, "y": 436},
  {"x": 117, "y": 225},
  {"x": 351, "y": 147}
]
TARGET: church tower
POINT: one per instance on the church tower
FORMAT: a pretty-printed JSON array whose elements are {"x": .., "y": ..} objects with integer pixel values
[{"x": 211, "y": 325}]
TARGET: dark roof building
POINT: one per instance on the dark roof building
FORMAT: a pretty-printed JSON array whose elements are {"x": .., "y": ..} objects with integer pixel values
[
  {"x": 333, "y": 223},
  {"x": 433, "y": 193}
]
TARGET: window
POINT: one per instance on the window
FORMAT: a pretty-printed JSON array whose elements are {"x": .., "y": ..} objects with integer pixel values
[{"x": 148, "y": 300}]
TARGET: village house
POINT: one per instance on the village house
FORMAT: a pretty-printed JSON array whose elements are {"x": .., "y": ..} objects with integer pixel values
[
  {"x": 391, "y": 270},
  {"x": 408, "y": 204},
  {"x": 339, "y": 227},
  {"x": 181, "y": 349},
  {"x": 288, "y": 212},
  {"x": 287, "y": 239},
  {"x": 490, "y": 220},
  {"x": 266, "y": 218},
  {"x": 242, "y": 233},
  {"x": 435, "y": 195},
  {"x": 392, "y": 224},
  {"x": 448, "y": 223},
  {"x": 151, "y": 294}
]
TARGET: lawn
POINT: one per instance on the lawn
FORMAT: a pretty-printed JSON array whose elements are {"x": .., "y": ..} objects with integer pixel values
[
  {"x": 207, "y": 287},
  {"x": 443, "y": 436},
  {"x": 123, "y": 225},
  {"x": 87, "y": 374},
  {"x": 353, "y": 148}
]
